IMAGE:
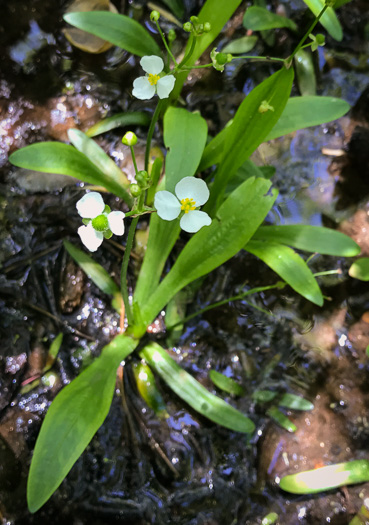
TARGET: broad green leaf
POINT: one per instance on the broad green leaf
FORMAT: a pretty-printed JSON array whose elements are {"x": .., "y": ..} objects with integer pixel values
[
  {"x": 72, "y": 420},
  {"x": 264, "y": 396},
  {"x": 226, "y": 383},
  {"x": 299, "y": 113},
  {"x": 56, "y": 157},
  {"x": 98, "y": 156},
  {"x": 240, "y": 45},
  {"x": 191, "y": 391},
  {"x": 185, "y": 137},
  {"x": 259, "y": 19},
  {"x": 281, "y": 419},
  {"x": 329, "y": 20},
  {"x": 214, "y": 244},
  {"x": 360, "y": 269},
  {"x": 217, "y": 13},
  {"x": 250, "y": 127},
  {"x": 247, "y": 170},
  {"x": 120, "y": 30},
  {"x": 340, "y": 3},
  {"x": 305, "y": 72},
  {"x": 290, "y": 266},
  {"x": 176, "y": 6},
  {"x": 148, "y": 390},
  {"x": 120, "y": 120},
  {"x": 96, "y": 273},
  {"x": 327, "y": 478},
  {"x": 309, "y": 238},
  {"x": 362, "y": 517},
  {"x": 295, "y": 402}
]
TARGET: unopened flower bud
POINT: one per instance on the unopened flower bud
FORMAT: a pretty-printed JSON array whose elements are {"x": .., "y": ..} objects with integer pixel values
[
  {"x": 187, "y": 27},
  {"x": 171, "y": 35},
  {"x": 142, "y": 178},
  {"x": 129, "y": 139},
  {"x": 154, "y": 16},
  {"x": 135, "y": 190},
  {"x": 194, "y": 19},
  {"x": 207, "y": 27}
]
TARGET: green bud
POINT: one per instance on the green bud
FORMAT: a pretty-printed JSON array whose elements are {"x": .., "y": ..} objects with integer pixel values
[
  {"x": 135, "y": 190},
  {"x": 129, "y": 139},
  {"x": 200, "y": 28},
  {"x": 194, "y": 19},
  {"x": 207, "y": 27},
  {"x": 221, "y": 58},
  {"x": 142, "y": 178},
  {"x": 188, "y": 27},
  {"x": 154, "y": 16},
  {"x": 320, "y": 39},
  {"x": 171, "y": 35},
  {"x": 100, "y": 223}
]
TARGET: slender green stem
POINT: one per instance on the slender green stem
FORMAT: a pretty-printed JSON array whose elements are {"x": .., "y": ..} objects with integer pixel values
[
  {"x": 151, "y": 132},
  {"x": 165, "y": 43},
  {"x": 225, "y": 301},
  {"x": 189, "y": 53},
  {"x": 301, "y": 43},
  {"x": 188, "y": 68},
  {"x": 134, "y": 159},
  {"x": 256, "y": 57},
  {"x": 328, "y": 272},
  {"x": 123, "y": 275}
]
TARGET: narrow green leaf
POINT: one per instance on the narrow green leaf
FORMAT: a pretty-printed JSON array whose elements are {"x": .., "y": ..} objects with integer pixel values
[
  {"x": 240, "y": 45},
  {"x": 214, "y": 244},
  {"x": 290, "y": 266},
  {"x": 191, "y": 391},
  {"x": 148, "y": 390},
  {"x": 327, "y": 478},
  {"x": 98, "y": 156},
  {"x": 120, "y": 120},
  {"x": 176, "y": 6},
  {"x": 258, "y": 19},
  {"x": 120, "y": 30},
  {"x": 55, "y": 347},
  {"x": 295, "y": 402},
  {"x": 185, "y": 137},
  {"x": 56, "y": 157},
  {"x": 340, "y": 3},
  {"x": 96, "y": 273},
  {"x": 329, "y": 20},
  {"x": 299, "y": 113},
  {"x": 269, "y": 519},
  {"x": 250, "y": 127},
  {"x": 264, "y": 396},
  {"x": 72, "y": 420},
  {"x": 360, "y": 269},
  {"x": 305, "y": 72},
  {"x": 362, "y": 517},
  {"x": 309, "y": 238},
  {"x": 281, "y": 419},
  {"x": 226, "y": 383}
]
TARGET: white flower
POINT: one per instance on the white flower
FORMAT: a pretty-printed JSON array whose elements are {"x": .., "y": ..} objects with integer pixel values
[
  {"x": 145, "y": 87},
  {"x": 99, "y": 221},
  {"x": 191, "y": 193}
]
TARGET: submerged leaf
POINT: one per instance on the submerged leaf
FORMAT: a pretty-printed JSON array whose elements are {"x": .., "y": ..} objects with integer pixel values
[
  {"x": 258, "y": 19},
  {"x": 360, "y": 269},
  {"x": 119, "y": 120},
  {"x": 226, "y": 383},
  {"x": 281, "y": 419}
]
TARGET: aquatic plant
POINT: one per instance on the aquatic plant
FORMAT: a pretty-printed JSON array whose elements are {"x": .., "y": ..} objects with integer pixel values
[{"x": 239, "y": 197}]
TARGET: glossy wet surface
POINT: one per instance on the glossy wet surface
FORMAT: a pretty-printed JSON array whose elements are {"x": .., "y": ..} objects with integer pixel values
[{"x": 140, "y": 469}]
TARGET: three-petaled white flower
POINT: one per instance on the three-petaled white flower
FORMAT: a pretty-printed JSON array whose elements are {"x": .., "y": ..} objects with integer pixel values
[
  {"x": 145, "y": 87},
  {"x": 191, "y": 193},
  {"x": 99, "y": 221}
]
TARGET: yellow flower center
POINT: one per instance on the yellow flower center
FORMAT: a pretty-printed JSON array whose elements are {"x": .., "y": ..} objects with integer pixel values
[
  {"x": 153, "y": 79},
  {"x": 188, "y": 205}
]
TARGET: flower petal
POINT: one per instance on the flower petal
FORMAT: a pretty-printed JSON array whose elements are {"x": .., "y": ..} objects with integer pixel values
[
  {"x": 194, "y": 220},
  {"x": 192, "y": 188},
  {"x": 116, "y": 224},
  {"x": 91, "y": 205},
  {"x": 142, "y": 88},
  {"x": 90, "y": 237},
  {"x": 167, "y": 205},
  {"x": 152, "y": 64},
  {"x": 165, "y": 85}
]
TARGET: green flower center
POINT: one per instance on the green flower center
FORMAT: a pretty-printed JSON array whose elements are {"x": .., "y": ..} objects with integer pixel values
[
  {"x": 100, "y": 223},
  {"x": 153, "y": 79},
  {"x": 188, "y": 205}
]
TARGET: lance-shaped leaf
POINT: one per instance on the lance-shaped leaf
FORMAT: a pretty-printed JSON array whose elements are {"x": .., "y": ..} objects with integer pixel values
[
  {"x": 57, "y": 157},
  {"x": 236, "y": 221},
  {"x": 309, "y": 238},
  {"x": 329, "y": 20},
  {"x": 120, "y": 30},
  {"x": 226, "y": 383},
  {"x": 119, "y": 120},
  {"x": 185, "y": 136},
  {"x": 281, "y": 419},
  {"x": 191, "y": 391},
  {"x": 72, "y": 420},
  {"x": 326, "y": 478},
  {"x": 360, "y": 269},
  {"x": 254, "y": 119},
  {"x": 290, "y": 266},
  {"x": 259, "y": 18}
]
